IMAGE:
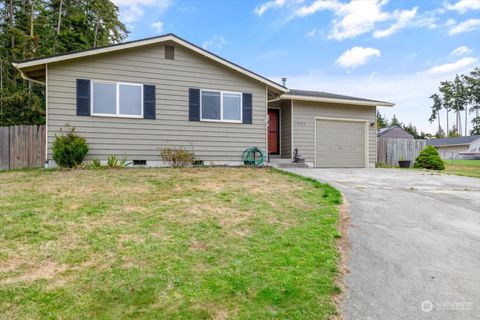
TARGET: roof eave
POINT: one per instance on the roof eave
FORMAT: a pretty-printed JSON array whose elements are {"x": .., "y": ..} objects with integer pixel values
[
  {"x": 168, "y": 37},
  {"x": 339, "y": 101},
  {"x": 450, "y": 144}
]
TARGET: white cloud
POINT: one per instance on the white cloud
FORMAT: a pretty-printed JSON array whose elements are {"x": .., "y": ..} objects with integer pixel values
[
  {"x": 460, "y": 51},
  {"x": 450, "y": 22},
  {"x": 403, "y": 18},
  {"x": 356, "y": 57},
  {"x": 157, "y": 26},
  {"x": 132, "y": 11},
  {"x": 358, "y": 17},
  {"x": 273, "y": 4},
  {"x": 451, "y": 67},
  {"x": 463, "y": 6},
  {"x": 465, "y": 26},
  {"x": 318, "y": 5},
  {"x": 216, "y": 42}
]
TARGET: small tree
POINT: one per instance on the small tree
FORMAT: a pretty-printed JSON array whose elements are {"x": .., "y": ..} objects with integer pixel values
[
  {"x": 476, "y": 126},
  {"x": 382, "y": 121},
  {"x": 69, "y": 150},
  {"x": 453, "y": 133},
  {"x": 429, "y": 159},
  {"x": 395, "y": 121},
  {"x": 440, "y": 133},
  {"x": 412, "y": 130}
]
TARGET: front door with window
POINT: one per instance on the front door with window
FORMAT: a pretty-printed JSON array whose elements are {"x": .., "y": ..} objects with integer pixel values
[{"x": 273, "y": 131}]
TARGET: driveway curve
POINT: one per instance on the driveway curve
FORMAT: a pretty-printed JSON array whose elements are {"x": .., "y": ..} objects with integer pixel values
[{"x": 415, "y": 240}]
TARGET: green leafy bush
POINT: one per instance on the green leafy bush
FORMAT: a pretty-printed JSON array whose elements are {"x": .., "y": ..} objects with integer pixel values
[
  {"x": 177, "y": 157},
  {"x": 429, "y": 159},
  {"x": 69, "y": 150}
]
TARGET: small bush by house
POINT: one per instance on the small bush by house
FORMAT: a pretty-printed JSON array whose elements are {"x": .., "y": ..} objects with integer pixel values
[
  {"x": 69, "y": 150},
  {"x": 177, "y": 157},
  {"x": 429, "y": 159}
]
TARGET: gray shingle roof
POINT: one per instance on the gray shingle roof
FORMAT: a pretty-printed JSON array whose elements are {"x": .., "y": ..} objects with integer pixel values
[
  {"x": 450, "y": 141},
  {"x": 321, "y": 94},
  {"x": 398, "y": 133}
]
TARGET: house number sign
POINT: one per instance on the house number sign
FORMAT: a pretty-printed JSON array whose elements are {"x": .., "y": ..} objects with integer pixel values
[{"x": 300, "y": 124}]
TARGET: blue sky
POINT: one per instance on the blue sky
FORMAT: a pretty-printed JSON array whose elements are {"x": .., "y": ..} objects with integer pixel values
[{"x": 397, "y": 50}]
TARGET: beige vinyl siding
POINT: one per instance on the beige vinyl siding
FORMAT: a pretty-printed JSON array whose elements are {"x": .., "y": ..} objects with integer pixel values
[
  {"x": 286, "y": 129},
  {"x": 142, "y": 138},
  {"x": 451, "y": 152},
  {"x": 304, "y": 113}
]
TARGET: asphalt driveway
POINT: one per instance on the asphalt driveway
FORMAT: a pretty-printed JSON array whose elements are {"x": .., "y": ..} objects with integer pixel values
[{"x": 415, "y": 240}]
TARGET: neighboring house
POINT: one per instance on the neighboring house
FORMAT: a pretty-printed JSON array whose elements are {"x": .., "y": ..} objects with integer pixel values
[
  {"x": 448, "y": 148},
  {"x": 394, "y": 132},
  {"x": 140, "y": 96}
]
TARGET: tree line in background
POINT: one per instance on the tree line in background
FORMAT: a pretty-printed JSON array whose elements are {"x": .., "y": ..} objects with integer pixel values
[
  {"x": 36, "y": 28},
  {"x": 383, "y": 122},
  {"x": 457, "y": 96}
]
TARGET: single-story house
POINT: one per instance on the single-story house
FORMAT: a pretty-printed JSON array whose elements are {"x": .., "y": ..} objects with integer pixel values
[
  {"x": 394, "y": 132},
  {"x": 449, "y": 148},
  {"x": 137, "y": 97}
]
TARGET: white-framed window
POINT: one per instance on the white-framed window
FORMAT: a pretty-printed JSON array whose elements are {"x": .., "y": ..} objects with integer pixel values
[
  {"x": 116, "y": 99},
  {"x": 220, "y": 106}
]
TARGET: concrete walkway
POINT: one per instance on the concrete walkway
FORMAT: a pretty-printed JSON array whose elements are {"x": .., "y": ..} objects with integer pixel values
[{"x": 415, "y": 240}]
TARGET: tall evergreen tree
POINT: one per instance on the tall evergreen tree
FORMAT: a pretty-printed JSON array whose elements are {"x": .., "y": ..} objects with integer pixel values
[
  {"x": 436, "y": 108},
  {"x": 472, "y": 81},
  {"x": 37, "y": 28}
]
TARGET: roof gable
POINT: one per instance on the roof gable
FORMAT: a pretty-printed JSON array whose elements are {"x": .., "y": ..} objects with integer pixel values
[
  {"x": 22, "y": 65},
  {"x": 394, "y": 132}
]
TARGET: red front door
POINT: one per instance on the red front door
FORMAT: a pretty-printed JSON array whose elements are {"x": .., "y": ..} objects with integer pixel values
[{"x": 273, "y": 131}]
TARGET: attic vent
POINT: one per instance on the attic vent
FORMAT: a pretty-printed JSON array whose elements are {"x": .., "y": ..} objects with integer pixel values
[{"x": 170, "y": 52}]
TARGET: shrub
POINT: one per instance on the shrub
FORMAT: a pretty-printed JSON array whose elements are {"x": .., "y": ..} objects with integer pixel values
[
  {"x": 429, "y": 159},
  {"x": 177, "y": 157},
  {"x": 92, "y": 164},
  {"x": 114, "y": 162},
  {"x": 69, "y": 150}
]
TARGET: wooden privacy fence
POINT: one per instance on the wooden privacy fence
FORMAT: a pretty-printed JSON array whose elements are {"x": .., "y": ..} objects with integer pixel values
[
  {"x": 22, "y": 147},
  {"x": 391, "y": 150}
]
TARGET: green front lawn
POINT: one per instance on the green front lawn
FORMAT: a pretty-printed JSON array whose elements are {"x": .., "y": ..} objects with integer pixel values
[
  {"x": 470, "y": 168},
  {"x": 209, "y": 243}
]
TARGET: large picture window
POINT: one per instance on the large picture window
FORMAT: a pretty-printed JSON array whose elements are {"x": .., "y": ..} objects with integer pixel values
[
  {"x": 115, "y": 99},
  {"x": 221, "y": 106}
]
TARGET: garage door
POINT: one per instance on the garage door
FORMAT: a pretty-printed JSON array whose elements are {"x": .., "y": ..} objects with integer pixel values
[{"x": 340, "y": 144}]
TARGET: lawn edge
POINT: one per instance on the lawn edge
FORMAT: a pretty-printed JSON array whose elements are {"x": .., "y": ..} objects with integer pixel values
[{"x": 342, "y": 244}]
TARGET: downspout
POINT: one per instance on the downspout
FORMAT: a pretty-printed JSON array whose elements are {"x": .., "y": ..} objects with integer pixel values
[{"x": 46, "y": 117}]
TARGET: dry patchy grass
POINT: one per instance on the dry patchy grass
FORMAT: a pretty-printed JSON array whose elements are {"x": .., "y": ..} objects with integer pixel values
[{"x": 208, "y": 243}]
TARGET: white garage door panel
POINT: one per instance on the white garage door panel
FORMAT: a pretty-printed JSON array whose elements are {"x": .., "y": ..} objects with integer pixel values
[{"x": 340, "y": 144}]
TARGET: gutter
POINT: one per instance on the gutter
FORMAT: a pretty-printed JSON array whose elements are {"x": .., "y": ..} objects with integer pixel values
[
  {"x": 24, "y": 76},
  {"x": 341, "y": 101},
  {"x": 449, "y": 145}
]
